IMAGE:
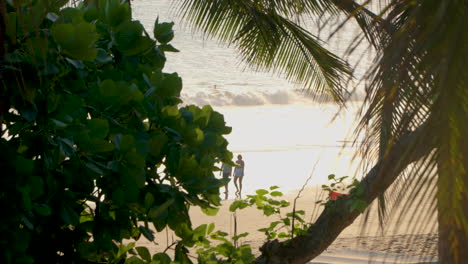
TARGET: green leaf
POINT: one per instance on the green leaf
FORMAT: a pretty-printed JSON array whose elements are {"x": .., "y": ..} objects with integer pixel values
[
  {"x": 69, "y": 216},
  {"x": 158, "y": 210},
  {"x": 171, "y": 85},
  {"x": 127, "y": 143},
  {"x": 210, "y": 228},
  {"x": 200, "y": 231},
  {"x": 118, "y": 197},
  {"x": 23, "y": 165},
  {"x": 109, "y": 89},
  {"x": 157, "y": 144},
  {"x": 181, "y": 255},
  {"x": 261, "y": 192},
  {"x": 117, "y": 13},
  {"x": 36, "y": 183},
  {"x": 29, "y": 113},
  {"x": 136, "y": 159},
  {"x": 134, "y": 260},
  {"x": 98, "y": 128},
  {"x": 94, "y": 168},
  {"x": 123, "y": 249},
  {"x": 168, "y": 48},
  {"x": 161, "y": 258},
  {"x": 76, "y": 40},
  {"x": 276, "y": 194},
  {"x": 129, "y": 39},
  {"x": 210, "y": 211},
  {"x": 147, "y": 233},
  {"x": 149, "y": 200},
  {"x": 58, "y": 124},
  {"x": 100, "y": 145},
  {"x": 237, "y": 204},
  {"x": 171, "y": 111},
  {"x": 42, "y": 209},
  {"x": 103, "y": 56},
  {"x": 163, "y": 32},
  {"x": 144, "y": 253},
  {"x": 359, "y": 205}
]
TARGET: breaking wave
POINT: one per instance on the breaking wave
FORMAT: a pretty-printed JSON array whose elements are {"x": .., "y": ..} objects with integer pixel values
[{"x": 249, "y": 97}]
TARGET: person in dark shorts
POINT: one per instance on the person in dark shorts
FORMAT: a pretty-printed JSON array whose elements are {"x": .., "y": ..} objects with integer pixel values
[
  {"x": 226, "y": 170},
  {"x": 239, "y": 175}
]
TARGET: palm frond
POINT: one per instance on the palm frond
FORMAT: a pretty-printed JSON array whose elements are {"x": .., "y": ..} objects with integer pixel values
[
  {"x": 268, "y": 40},
  {"x": 421, "y": 75}
]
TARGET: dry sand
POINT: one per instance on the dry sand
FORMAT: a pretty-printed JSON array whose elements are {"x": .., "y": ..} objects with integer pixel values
[{"x": 407, "y": 240}]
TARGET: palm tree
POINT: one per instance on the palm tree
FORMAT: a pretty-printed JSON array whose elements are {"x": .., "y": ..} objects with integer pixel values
[{"x": 417, "y": 100}]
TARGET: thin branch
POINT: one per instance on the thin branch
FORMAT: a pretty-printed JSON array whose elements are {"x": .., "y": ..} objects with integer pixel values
[{"x": 297, "y": 197}]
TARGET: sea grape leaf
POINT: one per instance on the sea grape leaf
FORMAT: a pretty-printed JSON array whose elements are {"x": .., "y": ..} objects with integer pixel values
[
  {"x": 76, "y": 40},
  {"x": 163, "y": 31},
  {"x": 98, "y": 128}
]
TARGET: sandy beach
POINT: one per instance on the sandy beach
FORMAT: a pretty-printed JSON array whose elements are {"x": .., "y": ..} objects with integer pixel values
[{"x": 400, "y": 242}]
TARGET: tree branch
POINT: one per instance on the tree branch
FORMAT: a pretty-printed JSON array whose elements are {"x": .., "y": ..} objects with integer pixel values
[{"x": 334, "y": 219}]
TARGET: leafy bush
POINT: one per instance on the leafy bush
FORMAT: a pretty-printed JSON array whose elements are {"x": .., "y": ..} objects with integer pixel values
[{"x": 95, "y": 146}]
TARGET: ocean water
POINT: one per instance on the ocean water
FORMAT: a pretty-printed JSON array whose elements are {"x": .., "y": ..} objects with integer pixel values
[{"x": 284, "y": 136}]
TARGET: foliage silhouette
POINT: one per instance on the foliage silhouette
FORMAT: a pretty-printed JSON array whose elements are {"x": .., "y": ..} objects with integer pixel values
[{"x": 95, "y": 146}]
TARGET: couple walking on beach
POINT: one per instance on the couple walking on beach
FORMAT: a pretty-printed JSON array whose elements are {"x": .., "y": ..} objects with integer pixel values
[{"x": 238, "y": 176}]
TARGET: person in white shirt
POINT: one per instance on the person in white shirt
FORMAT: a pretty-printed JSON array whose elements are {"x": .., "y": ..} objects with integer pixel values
[{"x": 239, "y": 175}]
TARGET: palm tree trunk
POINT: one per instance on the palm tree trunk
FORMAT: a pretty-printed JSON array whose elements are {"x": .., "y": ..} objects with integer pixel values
[
  {"x": 301, "y": 249},
  {"x": 452, "y": 236}
]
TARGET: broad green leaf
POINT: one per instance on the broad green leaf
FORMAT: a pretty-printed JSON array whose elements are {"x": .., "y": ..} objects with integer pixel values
[
  {"x": 118, "y": 196},
  {"x": 29, "y": 113},
  {"x": 103, "y": 56},
  {"x": 171, "y": 111},
  {"x": 127, "y": 143},
  {"x": 210, "y": 211},
  {"x": 91, "y": 14},
  {"x": 161, "y": 258},
  {"x": 136, "y": 159},
  {"x": 37, "y": 185},
  {"x": 58, "y": 124},
  {"x": 171, "y": 85},
  {"x": 149, "y": 200},
  {"x": 168, "y": 48},
  {"x": 181, "y": 255},
  {"x": 261, "y": 192},
  {"x": 210, "y": 228},
  {"x": 134, "y": 260},
  {"x": 163, "y": 32},
  {"x": 118, "y": 13},
  {"x": 24, "y": 166},
  {"x": 69, "y": 216},
  {"x": 42, "y": 209},
  {"x": 157, "y": 144},
  {"x": 108, "y": 88},
  {"x": 276, "y": 194},
  {"x": 100, "y": 145},
  {"x": 129, "y": 39},
  {"x": 124, "y": 249},
  {"x": 98, "y": 128},
  {"x": 144, "y": 253},
  {"x": 76, "y": 40},
  {"x": 136, "y": 177},
  {"x": 158, "y": 210},
  {"x": 147, "y": 233}
]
